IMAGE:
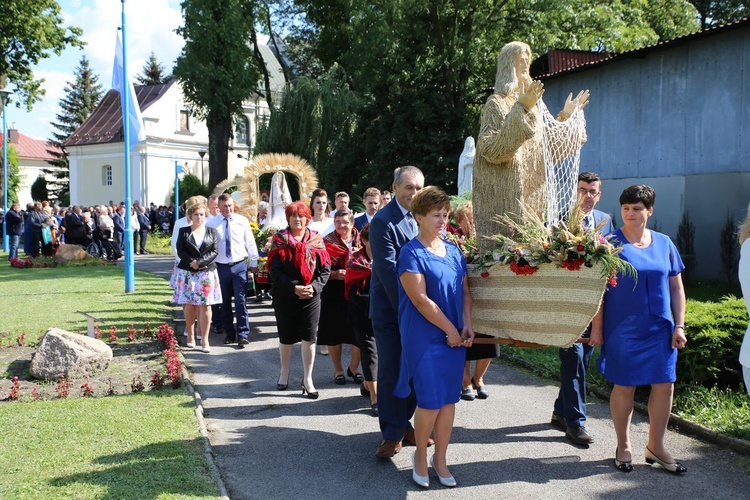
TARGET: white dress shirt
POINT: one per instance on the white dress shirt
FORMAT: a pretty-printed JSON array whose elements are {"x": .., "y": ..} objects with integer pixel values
[{"x": 242, "y": 240}]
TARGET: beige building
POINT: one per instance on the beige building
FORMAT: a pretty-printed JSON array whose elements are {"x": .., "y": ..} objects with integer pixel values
[
  {"x": 173, "y": 135},
  {"x": 33, "y": 155}
]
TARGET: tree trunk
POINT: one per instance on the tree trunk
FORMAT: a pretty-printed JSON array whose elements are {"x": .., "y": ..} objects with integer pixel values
[{"x": 219, "y": 132}]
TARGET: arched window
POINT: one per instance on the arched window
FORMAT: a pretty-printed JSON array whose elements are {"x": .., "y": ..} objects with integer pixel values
[
  {"x": 242, "y": 131},
  {"x": 107, "y": 175}
]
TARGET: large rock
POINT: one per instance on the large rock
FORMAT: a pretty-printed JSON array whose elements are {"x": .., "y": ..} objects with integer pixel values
[
  {"x": 66, "y": 253},
  {"x": 69, "y": 354}
]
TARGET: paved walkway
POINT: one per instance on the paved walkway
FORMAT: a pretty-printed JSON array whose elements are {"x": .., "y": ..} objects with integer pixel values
[{"x": 270, "y": 444}]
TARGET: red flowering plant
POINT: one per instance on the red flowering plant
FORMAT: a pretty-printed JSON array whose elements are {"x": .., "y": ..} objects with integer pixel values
[{"x": 528, "y": 243}]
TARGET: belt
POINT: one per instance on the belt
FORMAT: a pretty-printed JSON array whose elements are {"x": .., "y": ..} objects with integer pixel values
[{"x": 230, "y": 264}]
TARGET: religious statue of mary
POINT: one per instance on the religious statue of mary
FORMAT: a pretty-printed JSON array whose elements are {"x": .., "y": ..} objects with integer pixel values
[{"x": 279, "y": 199}]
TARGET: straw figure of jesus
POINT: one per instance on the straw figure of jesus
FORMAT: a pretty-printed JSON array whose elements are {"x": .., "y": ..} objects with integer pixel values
[{"x": 509, "y": 170}]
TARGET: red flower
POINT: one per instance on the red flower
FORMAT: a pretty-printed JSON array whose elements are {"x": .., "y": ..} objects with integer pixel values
[
  {"x": 485, "y": 274},
  {"x": 519, "y": 270},
  {"x": 573, "y": 265},
  {"x": 579, "y": 248}
]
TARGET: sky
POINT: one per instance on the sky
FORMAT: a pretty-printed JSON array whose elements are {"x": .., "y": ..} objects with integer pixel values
[{"x": 150, "y": 27}]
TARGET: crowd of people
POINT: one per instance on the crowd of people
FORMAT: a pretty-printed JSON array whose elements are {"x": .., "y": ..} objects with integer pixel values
[{"x": 41, "y": 227}]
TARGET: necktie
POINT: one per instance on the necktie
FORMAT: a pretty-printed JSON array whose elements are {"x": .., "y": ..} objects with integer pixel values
[
  {"x": 588, "y": 223},
  {"x": 227, "y": 239},
  {"x": 412, "y": 225}
]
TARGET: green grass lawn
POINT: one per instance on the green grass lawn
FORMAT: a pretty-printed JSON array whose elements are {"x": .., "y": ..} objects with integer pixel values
[
  {"x": 33, "y": 300},
  {"x": 136, "y": 446}
]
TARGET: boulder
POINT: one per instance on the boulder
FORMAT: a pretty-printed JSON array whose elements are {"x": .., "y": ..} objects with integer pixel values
[
  {"x": 66, "y": 253},
  {"x": 69, "y": 354}
]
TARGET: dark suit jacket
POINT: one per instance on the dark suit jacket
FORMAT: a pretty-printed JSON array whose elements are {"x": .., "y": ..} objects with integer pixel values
[
  {"x": 144, "y": 221},
  {"x": 119, "y": 222},
  {"x": 600, "y": 216},
  {"x": 388, "y": 234},
  {"x": 187, "y": 250},
  {"x": 14, "y": 223},
  {"x": 360, "y": 222},
  {"x": 74, "y": 227},
  {"x": 35, "y": 221}
]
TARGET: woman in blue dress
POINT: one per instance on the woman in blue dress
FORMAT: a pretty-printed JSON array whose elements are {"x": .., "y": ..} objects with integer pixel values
[
  {"x": 641, "y": 329},
  {"x": 434, "y": 318}
]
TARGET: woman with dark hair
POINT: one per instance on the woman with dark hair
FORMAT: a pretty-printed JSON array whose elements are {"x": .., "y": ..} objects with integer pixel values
[
  {"x": 357, "y": 291},
  {"x": 334, "y": 328},
  {"x": 321, "y": 220},
  {"x": 434, "y": 318},
  {"x": 640, "y": 327},
  {"x": 299, "y": 267}
]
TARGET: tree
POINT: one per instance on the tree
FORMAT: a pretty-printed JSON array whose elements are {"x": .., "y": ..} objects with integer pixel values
[
  {"x": 80, "y": 98},
  {"x": 217, "y": 70},
  {"x": 423, "y": 68},
  {"x": 14, "y": 177},
  {"x": 39, "y": 189},
  {"x": 722, "y": 12},
  {"x": 190, "y": 185},
  {"x": 152, "y": 72},
  {"x": 314, "y": 120},
  {"x": 31, "y": 30}
]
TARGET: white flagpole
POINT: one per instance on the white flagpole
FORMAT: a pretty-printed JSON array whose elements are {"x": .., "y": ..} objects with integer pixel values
[{"x": 124, "y": 97}]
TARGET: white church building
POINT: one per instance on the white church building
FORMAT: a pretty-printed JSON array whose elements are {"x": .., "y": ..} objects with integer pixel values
[{"x": 96, "y": 149}]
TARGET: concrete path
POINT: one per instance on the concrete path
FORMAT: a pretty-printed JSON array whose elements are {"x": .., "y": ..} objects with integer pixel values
[{"x": 272, "y": 444}]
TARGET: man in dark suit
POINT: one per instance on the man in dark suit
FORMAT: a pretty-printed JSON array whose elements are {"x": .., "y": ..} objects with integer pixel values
[
  {"x": 570, "y": 407},
  {"x": 145, "y": 227},
  {"x": 118, "y": 219},
  {"x": 75, "y": 231},
  {"x": 14, "y": 229},
  {"x": 371, "y": 199},
  {"x": 391, "y": 228},
  {"x": 35, "y": 221}
]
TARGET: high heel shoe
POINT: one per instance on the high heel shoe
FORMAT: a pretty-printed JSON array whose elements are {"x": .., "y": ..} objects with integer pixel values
[
  {"x": 482, "y": 392},
  {"x": 423, "y": 481},
  {"x": 282, "y": 387},
  {"x": 625, "y": 466},
  {"x": 357, "y": 377},
  {"x": 448, "y": 482},
  {"x": 675, "y": 467},
  {"x": 311, "y": 395}
]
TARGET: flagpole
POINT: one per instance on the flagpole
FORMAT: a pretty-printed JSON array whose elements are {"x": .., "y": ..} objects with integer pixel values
[{"x": 124, "y": 97}]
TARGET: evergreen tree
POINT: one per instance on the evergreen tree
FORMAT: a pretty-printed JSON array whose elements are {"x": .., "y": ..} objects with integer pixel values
[
  {"x": 152, "y": 72},
  {"x": 80, "y": 99}
]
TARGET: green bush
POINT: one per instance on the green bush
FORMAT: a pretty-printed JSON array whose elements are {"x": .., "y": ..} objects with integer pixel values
[
  {"x": 714, "y": 330},
  {"x": 190, "y": 185}
]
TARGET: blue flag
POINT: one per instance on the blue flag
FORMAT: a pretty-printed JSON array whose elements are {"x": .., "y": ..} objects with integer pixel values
[{"x": 120, "y": 83}]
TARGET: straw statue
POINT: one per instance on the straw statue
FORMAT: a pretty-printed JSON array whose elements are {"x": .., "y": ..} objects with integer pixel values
[{"x": 509, "y": 168}]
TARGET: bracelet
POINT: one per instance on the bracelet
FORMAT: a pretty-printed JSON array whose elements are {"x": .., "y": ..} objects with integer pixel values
[{"x": 681, "y": 327}]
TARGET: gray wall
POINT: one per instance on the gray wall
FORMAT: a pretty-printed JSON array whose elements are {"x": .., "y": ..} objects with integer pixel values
[{"x": 676, "y": 118}]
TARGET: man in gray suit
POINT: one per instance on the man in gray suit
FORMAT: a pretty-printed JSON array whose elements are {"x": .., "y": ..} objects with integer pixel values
[{"x": 569, "y": 413}]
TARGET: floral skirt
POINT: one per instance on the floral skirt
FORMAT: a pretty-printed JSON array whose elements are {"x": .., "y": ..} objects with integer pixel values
[{"x": 198, "y": 289}]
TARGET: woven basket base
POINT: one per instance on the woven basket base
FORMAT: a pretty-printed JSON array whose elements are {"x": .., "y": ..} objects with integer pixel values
[{"x": 552, "y": 306}]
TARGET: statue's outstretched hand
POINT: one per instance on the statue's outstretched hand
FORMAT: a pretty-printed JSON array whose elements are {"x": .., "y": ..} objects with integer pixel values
[
  {"x": 581, "y": 101},
  {"x": 530, "y": 93}
]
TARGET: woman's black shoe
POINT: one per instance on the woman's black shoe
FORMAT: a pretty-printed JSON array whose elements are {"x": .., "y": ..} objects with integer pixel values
[
  {"x": 482, "y": 392},
  {"x": 623, "y": 466},
  {"x": 357, "y": 377},
  {"x": 311, "y": 395},
  {"x": 280, "y": 386},
  {"x": 363, "y": 391},
  {"x": 339, "y": 380}
]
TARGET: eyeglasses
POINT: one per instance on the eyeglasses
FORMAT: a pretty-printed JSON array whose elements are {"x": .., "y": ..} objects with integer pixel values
[{"x": 590, "y": 192}]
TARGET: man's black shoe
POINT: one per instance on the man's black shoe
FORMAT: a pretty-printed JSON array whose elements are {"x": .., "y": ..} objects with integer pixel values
[
  {"x": 559, "y": 422},
  {"x": 579, "y": 436}
]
